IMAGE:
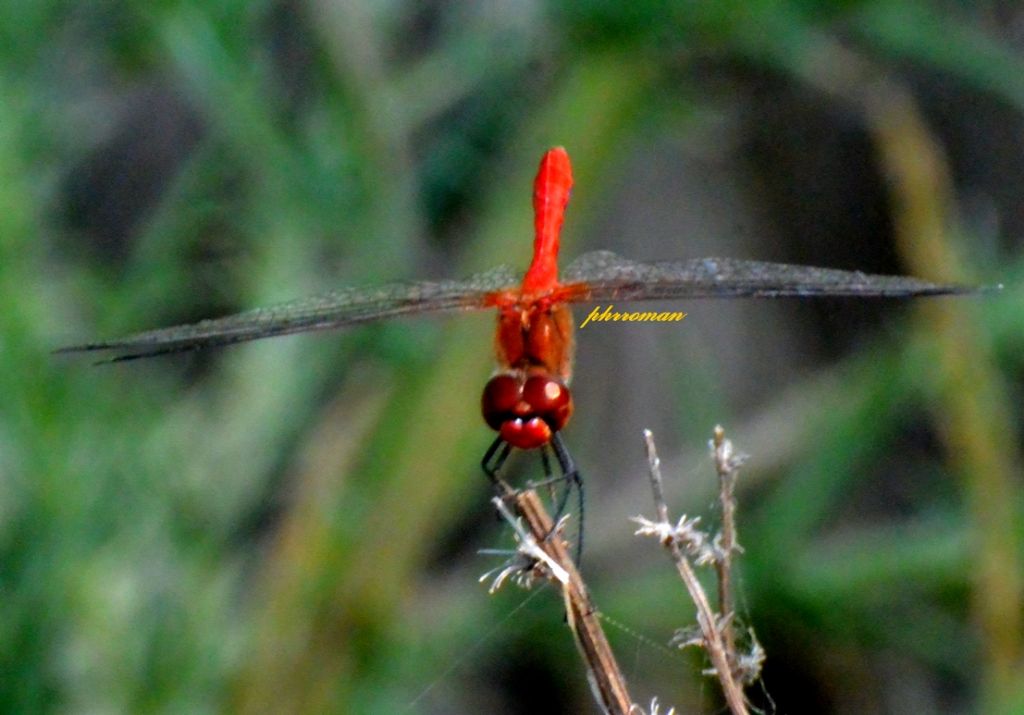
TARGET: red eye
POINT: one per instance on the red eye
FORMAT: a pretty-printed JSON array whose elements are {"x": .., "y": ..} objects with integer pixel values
[
  {"x": 501, "y": 395},
  {"x": 549, "y": 398}
]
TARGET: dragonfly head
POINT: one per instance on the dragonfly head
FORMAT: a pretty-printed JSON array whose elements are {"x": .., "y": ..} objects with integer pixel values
[{"x": 526, "y": 410}]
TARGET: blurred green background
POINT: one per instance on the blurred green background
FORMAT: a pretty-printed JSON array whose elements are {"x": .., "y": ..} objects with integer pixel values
[{"x": 293, "y": 526}]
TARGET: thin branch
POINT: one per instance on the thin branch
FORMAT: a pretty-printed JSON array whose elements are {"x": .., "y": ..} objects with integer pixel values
[
  {"x": 726, "y": 464},
  {"x": 543, "y": 552},
  {"x": 673, "y": 538}
]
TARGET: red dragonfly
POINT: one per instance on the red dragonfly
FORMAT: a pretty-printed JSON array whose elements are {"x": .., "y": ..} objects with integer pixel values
[{"x": 527, "y": 401}]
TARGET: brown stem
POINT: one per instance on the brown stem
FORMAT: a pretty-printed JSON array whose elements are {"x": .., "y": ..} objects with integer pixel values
[
  {"x": 723, "y": 564},
  {"x": 603, "y": 671},
  {"x": 706, "y": 619}
]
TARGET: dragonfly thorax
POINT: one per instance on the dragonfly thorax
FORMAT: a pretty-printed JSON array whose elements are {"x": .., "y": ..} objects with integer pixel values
[
  {"x": 526, "y": 407},
  {"x": 535, "y": 335}
]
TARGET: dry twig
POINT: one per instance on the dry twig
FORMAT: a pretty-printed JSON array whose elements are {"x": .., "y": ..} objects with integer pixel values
[
  {"x": 684, "y": 541},
  {"x": 726, "y": 464},
  {"x": 543, "y": 553}
]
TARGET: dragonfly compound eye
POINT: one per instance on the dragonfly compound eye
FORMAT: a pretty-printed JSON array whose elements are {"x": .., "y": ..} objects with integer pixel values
[
  {"x": 502, "y": 395},
  {"x": 549, "y": 399}
]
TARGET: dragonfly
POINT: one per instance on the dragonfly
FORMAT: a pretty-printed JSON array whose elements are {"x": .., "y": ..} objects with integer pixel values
[{"x": 527, "y": 401}]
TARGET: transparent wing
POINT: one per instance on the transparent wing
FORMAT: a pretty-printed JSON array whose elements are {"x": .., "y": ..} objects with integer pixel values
[
  {"x": 336, "y": 309},
  {"x": 603, "y": 275}
]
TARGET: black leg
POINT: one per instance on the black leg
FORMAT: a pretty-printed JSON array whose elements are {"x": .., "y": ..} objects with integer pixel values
[
  {"x": 494, "y": 459},
  {"x": 497, "y": 454},
  {"x": 573, "y": 479},
  {"x": 549, "y": 475},
  {"x": 565, "y": 479}
]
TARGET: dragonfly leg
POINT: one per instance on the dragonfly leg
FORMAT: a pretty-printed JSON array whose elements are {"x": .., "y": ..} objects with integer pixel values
[
  {"x": 494, "y": 459},
  {"x": 549, "y": 479},
  {"x": 573, "y": 479},
  {"x": 497, "y": 454}
]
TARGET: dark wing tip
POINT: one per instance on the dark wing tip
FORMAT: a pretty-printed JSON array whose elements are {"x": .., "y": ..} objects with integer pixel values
[
  {"x": 124, "y": 352},
  {"x": 85, "y": 347},
  {"x": 88, "y": 348}
]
